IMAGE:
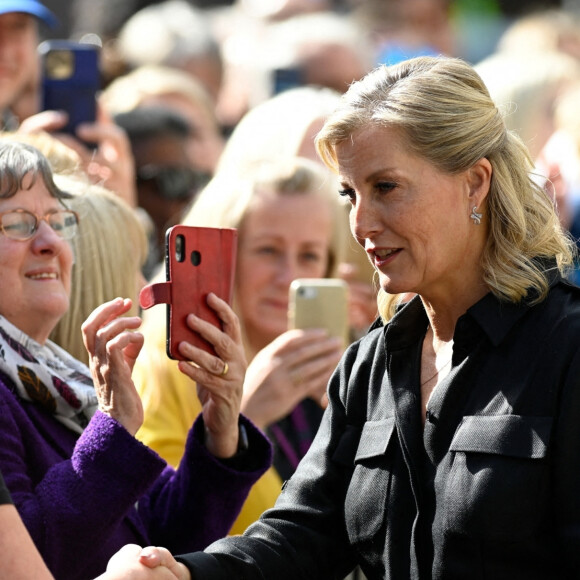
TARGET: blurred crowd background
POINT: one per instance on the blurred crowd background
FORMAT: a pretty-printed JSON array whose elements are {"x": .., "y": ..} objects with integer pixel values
[{"x": 209, "y": 63}]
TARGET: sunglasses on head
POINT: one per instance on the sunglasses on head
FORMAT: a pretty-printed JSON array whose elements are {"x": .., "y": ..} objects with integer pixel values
[{"x": 175, "y": 183}]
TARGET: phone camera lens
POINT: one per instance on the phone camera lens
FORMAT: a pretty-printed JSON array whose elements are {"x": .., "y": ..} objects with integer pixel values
[
  {"x": 195, "y": 258},
  {"x": 179, "y": 248}
]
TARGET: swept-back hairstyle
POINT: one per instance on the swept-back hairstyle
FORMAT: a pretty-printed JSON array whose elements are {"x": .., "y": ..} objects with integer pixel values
[{"x": 448, "y": 118}]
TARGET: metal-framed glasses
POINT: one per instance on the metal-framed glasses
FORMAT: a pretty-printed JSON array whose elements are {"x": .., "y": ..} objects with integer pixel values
[{"x": 21, "y": 224}]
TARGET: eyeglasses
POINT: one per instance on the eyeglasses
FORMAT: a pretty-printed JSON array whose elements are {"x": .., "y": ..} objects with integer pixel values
[
  {"x": 177, "y": 183},
  {"x": 21, "y": 224}
]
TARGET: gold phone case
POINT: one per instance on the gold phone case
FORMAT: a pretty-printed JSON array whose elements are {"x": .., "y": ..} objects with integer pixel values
[{"x": 320, "y": 303}]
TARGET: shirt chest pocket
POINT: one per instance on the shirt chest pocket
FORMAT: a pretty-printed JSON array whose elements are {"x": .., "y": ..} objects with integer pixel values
[
  {"x": 499, "y": 477},
  {"x": 365, "y": 504}
]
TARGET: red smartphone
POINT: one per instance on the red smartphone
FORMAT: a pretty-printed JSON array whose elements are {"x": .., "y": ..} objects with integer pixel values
[{"x": 198, "y": 261}]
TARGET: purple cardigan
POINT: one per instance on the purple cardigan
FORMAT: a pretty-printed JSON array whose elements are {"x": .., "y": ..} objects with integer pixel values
[{"x": 84, "y": 497}]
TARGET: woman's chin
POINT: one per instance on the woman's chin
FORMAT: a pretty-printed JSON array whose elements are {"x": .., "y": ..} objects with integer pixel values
[{"x": 393, "y": 285}]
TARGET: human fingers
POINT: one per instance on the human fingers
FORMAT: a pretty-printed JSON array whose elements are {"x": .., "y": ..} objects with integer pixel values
[
  {"x": 311, "y": 379},
  {"x": 322, "y": 362},
  {"x": 295, "y": 339},
  {"x": 154, "y": 557},
  {"x": 111, "y": 162},
  {"x": 132, "y": 562},
  {"x": 219, "y": 376},
  {"x": 231, "y": 322},
  {"x": 101, "y": 316},
  {"x": 44, "y": 121},
  {"x": 313, "y": 349},
  {"x": 128, "y": 553},
  {"x": 116, "y": 338},
  {"x": 219, "y": 386},
  {"x": 275, "y": 382},
  {"x": 103, "y": 336},
  {"x": 111, "y": 369},
  {"x": 229, "y": 358}
]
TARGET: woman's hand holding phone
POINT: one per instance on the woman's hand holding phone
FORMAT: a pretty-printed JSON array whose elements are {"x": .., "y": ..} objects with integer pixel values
[
  {"x": 110, "y": 162},
  {"x": 219, "y": 377},
  {"x": 294, "y": 366}
]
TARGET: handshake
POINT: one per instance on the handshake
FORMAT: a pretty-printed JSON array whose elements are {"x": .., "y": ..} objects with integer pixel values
[{"x": 151, "y": 563}]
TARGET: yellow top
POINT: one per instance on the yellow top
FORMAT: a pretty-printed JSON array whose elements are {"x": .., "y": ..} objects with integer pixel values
[{"x": 171, "y": 405}]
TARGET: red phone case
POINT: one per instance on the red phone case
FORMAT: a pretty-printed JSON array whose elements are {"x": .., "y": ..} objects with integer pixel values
[{"x": 198, "y": 261}]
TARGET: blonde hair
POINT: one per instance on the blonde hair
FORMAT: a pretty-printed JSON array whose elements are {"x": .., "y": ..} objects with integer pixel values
[
  {"x": 226, "y": 199},
  {"x": 108, "y": 249},
  {"x": 448, "y": 118}
]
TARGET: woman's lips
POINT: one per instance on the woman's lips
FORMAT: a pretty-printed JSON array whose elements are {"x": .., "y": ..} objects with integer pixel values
[
  {"x": 42, "y": 275},
  {"x": 383, "y": 256}
]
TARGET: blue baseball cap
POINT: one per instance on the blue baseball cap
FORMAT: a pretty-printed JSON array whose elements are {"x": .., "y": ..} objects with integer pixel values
[{"x": 29, "y": 7}]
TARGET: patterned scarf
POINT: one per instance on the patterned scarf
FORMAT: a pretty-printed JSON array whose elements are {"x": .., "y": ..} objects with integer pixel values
[{"x": 47, "y": 376}]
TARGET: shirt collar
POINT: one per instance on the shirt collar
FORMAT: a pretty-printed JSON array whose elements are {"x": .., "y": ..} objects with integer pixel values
[{"x": 492, "y": 316}]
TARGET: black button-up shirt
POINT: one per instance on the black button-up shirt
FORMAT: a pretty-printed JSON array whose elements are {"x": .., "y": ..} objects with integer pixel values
[{"x": 489, "y": 489}]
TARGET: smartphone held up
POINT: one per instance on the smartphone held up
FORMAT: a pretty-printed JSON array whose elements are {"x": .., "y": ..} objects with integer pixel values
[
  {"x": 198, "y": 261},
  {"x": 71, "y": 79},
  {"x": 320, "y": 303}
]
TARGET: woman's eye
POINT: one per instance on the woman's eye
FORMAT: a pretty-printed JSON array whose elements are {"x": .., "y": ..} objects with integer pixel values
[
  {"x": 311, "y": 257},
  {"x": 266, "y": 250},
  {"x": 385, "y": 186},
  {"x": 348, "y": 193}
]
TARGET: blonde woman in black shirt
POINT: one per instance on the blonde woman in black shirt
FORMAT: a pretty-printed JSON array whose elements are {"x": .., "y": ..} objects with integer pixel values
[{"x": 450, "y": 448}]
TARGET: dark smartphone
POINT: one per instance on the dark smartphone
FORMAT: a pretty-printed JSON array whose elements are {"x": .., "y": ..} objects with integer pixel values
[
  {"x": 198, "y": 261},
  {"x": 71, "y": 78},
  {"x": 286, "y": 78}
]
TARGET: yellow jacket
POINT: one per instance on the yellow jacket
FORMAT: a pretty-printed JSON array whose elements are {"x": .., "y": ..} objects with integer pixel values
[{"x": 170, "y": 403}]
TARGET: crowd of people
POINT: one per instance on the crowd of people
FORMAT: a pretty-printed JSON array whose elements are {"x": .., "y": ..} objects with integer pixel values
[{"x": 342, "y": 139}]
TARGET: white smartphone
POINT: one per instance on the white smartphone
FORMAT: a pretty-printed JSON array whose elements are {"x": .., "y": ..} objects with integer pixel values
[{"x": 320, "y": 303}]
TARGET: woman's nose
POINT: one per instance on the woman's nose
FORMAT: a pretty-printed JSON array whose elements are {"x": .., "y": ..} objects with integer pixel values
[
  {"x": 46, "y": 239},
  {"x": 363, "y": 220},
  {"x": 286, "y": 270}
]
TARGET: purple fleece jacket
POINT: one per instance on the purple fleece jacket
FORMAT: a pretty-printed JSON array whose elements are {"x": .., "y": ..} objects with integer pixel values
[{"x": 84, "y": 497}]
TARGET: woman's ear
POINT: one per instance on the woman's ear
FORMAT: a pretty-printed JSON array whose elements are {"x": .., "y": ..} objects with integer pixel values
[{"x": 479, "y": 181}]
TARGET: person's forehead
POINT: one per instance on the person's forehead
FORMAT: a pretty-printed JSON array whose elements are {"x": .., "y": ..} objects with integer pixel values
[
  {"x": 17, "y": 17},
  {"x": 35, "y": 11}
]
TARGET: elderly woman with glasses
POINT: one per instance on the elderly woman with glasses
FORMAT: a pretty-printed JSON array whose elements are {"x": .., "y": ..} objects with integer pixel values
[{"x": 83, "y": 484}]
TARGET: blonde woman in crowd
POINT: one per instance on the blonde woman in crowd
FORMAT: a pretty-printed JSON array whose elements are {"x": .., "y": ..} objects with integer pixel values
[
  {"x": 285, "y": 212},
  {"x": 284, "y": 126}
]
